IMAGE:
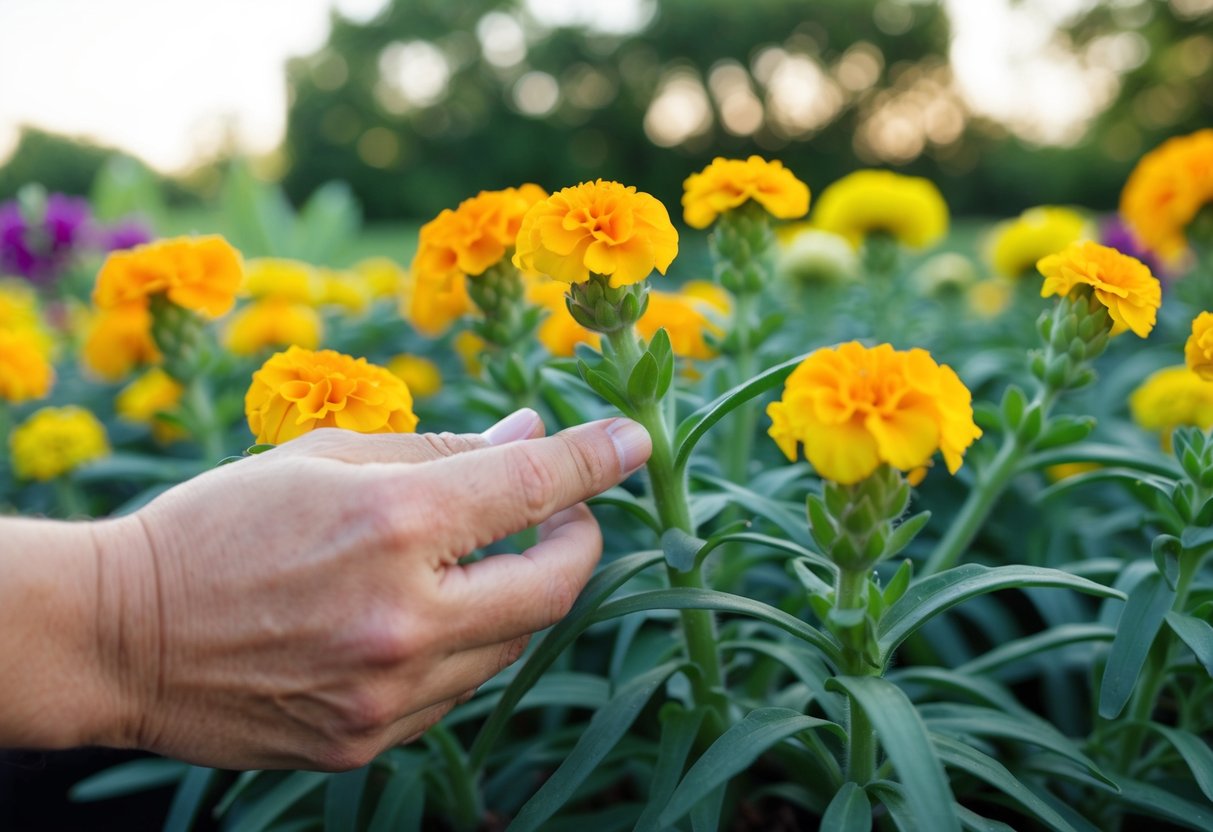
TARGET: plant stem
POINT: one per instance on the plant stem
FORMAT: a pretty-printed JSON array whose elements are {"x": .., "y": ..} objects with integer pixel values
[
  {"x": 861, "y": 745},
  {"x": 69, "y": 498},
  {"x": 467, "y": 806},
  {"x": 738, "y": 451},
  {"x": 208, "y": 433},
  {"x": 850, "y": 591},
  {"x": 669, "y": 491}
]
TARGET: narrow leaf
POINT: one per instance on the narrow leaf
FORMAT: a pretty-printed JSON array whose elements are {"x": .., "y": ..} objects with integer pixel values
[
  {"x": 282, "y": 796},
  {"x": 849, "y": 811},
  {"x": 128, "y": 778},
  {"x": 342, "y": 799},
  {"x": 1142, "y": 616},
  {"x": 1195, "y": 633},
  {"x": 402, "y": 802},
  {"x": 681, "y": 549},
  {"x": 678, "y": 731},
  {"x": 1195, "y": 752},
  {"x": 1031, "y": 646},
  {"x": 188, "y": 799}
]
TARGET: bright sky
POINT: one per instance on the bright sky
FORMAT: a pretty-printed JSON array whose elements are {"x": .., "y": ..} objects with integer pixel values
[{"x": 166, "y": 79}]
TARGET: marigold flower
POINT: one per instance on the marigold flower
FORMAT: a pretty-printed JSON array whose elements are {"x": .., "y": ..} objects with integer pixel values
[
  {"x": 25, "y": 368},
  {"x": 420, "y": 375},
  {"x": 1170, "y": 398},
  {"x": 1125, "y": 286},
  {"x": 809, "y": 256},
  {"x": 279, "y": 277},
  {"x": 198, "y": 273},
  {"x": 601, "y": 227},
  {"x": 147, "y": 398},
  {"x": 729, "y": 183},
  {"x": 55, "y": 441},
  {"x": 1018, "y": 244},
  {"x": 345, "y": 289},
  {"x": 382, "y": 276},
  {"x": 558, "y": 332},
  {"x": 867, "y": 202},
  {"x": 687, "y": 317},
  {"x": 855, "y": 407},
  {"x": 990, "y": 298},
  {"x": 118, "y": 340},
  {"x": 432, "y": 303},
  {"x": 299, "y": 390},
  {"x": 1198, "y": 351},
  {"x": 1166, "y": 191},
  {"x": 273, "y": 322},
  {"x": 18, "y": 306},
  {"x": 475, "y": 236}
]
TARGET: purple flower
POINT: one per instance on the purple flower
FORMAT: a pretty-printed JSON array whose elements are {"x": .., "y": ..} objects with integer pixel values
[
  {"x": 127, "y": 233},
  {"x": 1114, "y": 233},
  {"x": 40, "y": 248}
]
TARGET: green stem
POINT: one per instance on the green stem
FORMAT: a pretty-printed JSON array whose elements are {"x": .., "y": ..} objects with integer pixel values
[
  {"x": 861, "y": 745},
  {"x": 70, "y": 501},
  {"x": 467, "y": 806},
  {"x": 850, "y": 591},
  {"x": 201, "y": 417},
  {"x": 741, "y": 443},
  {"x": 669, "y": 491}
]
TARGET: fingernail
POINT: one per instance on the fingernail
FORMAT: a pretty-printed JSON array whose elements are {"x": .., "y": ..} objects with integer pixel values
[
  {"x": 518, "y": 425},
  {"x": 632, "y": 443}
]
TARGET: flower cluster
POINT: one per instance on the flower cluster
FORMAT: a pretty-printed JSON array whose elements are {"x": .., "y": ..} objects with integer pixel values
[
  {"x": 55, "y": 441},
  {"x": 730, "y": 183},
  {"x": 1167, "y": 189},
  {"x": 854, "y": 407},
  {"x": 299, "y": 390},
  {"x": 1123, "y": 285}
]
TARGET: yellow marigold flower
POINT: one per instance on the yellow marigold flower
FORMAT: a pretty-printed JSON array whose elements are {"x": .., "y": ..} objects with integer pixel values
[
  {"x": 1170, "y": 398},
  {"x": 867, "y": 202},
  {"x": 728, "y": 183},
  {"x": 469, "y": 347},
  {"x": 55, "y": 441},
  {"x": 558, "y": 332},
  {"x": 25, "y": 368},
  {"x": 299, "y": 390},
  {"x": 1018, "y": 244},
  {"x": 601, "y": 227},
  {"x": 855, "y": 407},
  {"x": 420, "y": 375},
  {"x": 344, "y": 289},
  {"x": 432, "y": 303},
  {"x": 278, "y": 277},
  {"x": 119, "y": 340},
  {"x": 1167, "y": 189},
  {"x": 146, "y": 398},
  {"x": 687, "y": 317},
  {"x": 18, "y": 306},
  {"x": 273, "y": 322},
  {"x": 197, "y": 273},
  {"x": 990, "y": 298},
  {"x": 382, "y": 276},
  {"x": 713, "y": 294},
  {"x": 1198, "y": 351},
  {"x": 1124, "y": 285}
]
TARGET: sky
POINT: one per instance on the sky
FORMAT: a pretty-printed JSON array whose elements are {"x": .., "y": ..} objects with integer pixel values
[{"x": 172, "y": 80}]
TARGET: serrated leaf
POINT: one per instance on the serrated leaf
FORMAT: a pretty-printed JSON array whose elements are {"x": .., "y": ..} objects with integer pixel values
[
  {"x": 905, "y": 741},
  {"x": 681, "y": 549},
  {"x": 734, "y": 751},
  {"x": 849, "y": 811},
  {"x": 606, "y": 728},
  {"x": 1142, "y": 617},
  {"x": 1195, "y": 633}
]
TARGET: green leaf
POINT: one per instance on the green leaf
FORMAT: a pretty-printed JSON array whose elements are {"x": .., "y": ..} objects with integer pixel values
[
  {"x": 849, "y": 811},
  {"x": 1107, "y": 455},
  {"x": 1133, "y": 479},
  {"x": 606, "y": 728},
  {"x": 791, "y": 523},
  {"x": 905, "y": 533},
  {"x": 684, "y": 598},
  {"x": 661, "y": 350},
  {"x": 1033, "y": 645},
  {"x": 705, "y": 815},
  {"x": 899, "y": 583},
  {"x": 804, "y": 665},
  {"x": 402, "y": 802},
  {"x": 977, "y": 688},
  {"x": 936, "y": 593},
  {"x": 1013, "y": 404},
  {"x": 342, "y": 799},
  {"x": 1142, "y": 617},
  {"x": 679, "y": 727},
  {"x": 605, "y": 386},
  {"x": 642, "y": 381},
  {"x": 776, "y": 543},
  {"x": 1195, "y": 752},
  {"x": 1195, "y": 633},
  {"x": 903, "y": 736},
  {"x": 600, "y": 587},
  {"x": 695, "y": 426},
  {"x": 1064, "y": 430},
  {"x": 1194, "y": 539},
  {"x": 554, "y": 688},
  {"x": 735, "y": 751},
  {"x": 243, "y": 782},
  {"x": 188, "y": 799},
  {"x": 128, "y": 778},
  {"x": 975, "y": 721},
  {"x": 285, "y": 794},
  {"x": 984, "y": 767},
  {"x": 681, "y": 549},
  {"x": 624, "y": 500}
]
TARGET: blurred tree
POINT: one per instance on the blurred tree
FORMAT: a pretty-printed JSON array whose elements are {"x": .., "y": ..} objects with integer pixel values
[{"x": 59, "y": 163}]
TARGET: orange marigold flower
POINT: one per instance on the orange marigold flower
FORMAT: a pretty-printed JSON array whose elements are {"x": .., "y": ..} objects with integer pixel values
[
  {"x": 854, "y": 408},
  {"x": 299, "y": 390},
  {"x": 119, "y": 340},
  {"x": 431, "y": 303},
  {"x": 476, "y": 235},
  {"x": 1198, "y": 351},
  {"x": 197, "y": 273},
  {"x": 273, "y": 322},
  {"x": 601, "y": 227},
  {"x": 1167, "y": 189},
  {"x": 25, "y": 368},
  {"x": 1124, "y": 285},
  {"x": 558, "y": 332},
  {"x": 729, "y": 183}
]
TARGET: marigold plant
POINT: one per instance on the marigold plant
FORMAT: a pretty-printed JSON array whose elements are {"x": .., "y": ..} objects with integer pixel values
[
  {"x": 597, "y": 227},
  {"x": 299, "y": 390},
  {"x": 273, "y": 322},
  {"x": 1018, "y": 244},
  {"x": 1167, "y": 189},
  {"x": 201, "y": 274},
  {"x": 867, "y": 202},
  {"x": 558, "y": 331},
  {"x": 1198, "y": 350},
  {"x": 146, "y": 399},
  {"x": 1171, "y": 398},
  {"x": 118, "y": 340},
  {"x": 26, "y": 372},
  {"x": 55, "y": 441},
  {"x": 726, "y": 184},
  {"x": 1122, "y": 284},
  {"x": 854, "y": 407},
  {"x": 688, "y": 317}
]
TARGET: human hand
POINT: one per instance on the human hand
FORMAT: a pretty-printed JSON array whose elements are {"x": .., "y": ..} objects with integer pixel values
[{"x": 305, "y": 608}]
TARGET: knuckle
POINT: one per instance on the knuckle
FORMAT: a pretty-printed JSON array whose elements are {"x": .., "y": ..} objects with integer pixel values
[
  {"x": 390, "y": 514},
  {"x": 363, "y": 714},
  {"x": 446, "y": 443},
  {"x": 562, "y": 594},
  {"x": 396, "y": 639},
  {"x": 344, "y": 756},
  {"x": 535, "y": 482},
  {"x": 593, "y": 467}
]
